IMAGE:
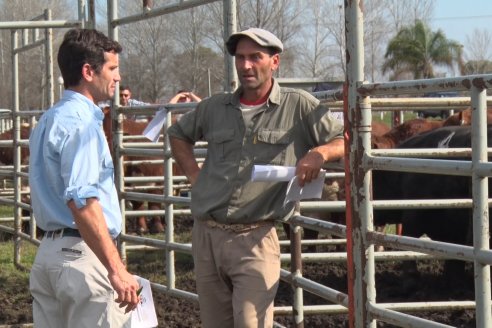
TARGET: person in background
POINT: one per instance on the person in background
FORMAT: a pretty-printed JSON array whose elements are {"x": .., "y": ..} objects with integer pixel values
[
  {"x": 184, "y": 96},
  {"x": 235, "y": 246},
  {"x": 78, "y": 278},
  {"x": 127, "y": 100}
]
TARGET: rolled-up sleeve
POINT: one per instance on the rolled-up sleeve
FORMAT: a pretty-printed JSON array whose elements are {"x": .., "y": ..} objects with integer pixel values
[{"x": 80, "y": 165}]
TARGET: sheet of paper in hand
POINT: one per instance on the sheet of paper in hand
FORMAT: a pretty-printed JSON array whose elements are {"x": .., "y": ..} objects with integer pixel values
[
  {"x": 267, "y": 173},
  {"x": 153, "y": 129},
  {"x": 310, "y": 190},
  {"x": 144, "y": 315}
]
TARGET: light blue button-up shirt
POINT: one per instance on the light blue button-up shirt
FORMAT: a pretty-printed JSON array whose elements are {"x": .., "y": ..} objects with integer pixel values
[{"x": 70, "y": 159}]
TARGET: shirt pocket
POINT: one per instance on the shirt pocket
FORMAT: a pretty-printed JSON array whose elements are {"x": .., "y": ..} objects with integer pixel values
[
  {"x": 271, "y": 146},
  {"x": 222, "y": 145}
]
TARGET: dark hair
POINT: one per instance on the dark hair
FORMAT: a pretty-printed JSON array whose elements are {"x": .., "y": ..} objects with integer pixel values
[
  {"x": 80, "y": 47},
  {"x": 125, "y": 87}
]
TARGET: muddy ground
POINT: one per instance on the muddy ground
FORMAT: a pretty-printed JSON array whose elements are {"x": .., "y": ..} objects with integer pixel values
[{"x": 395, "y": 282}]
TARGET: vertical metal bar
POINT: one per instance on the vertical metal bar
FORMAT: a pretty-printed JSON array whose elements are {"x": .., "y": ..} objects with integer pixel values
[
  {"x": 91, "y": 19},
  {"x": 81, "y": 13},
  {"x": 48, "y": 53},
  {"x": 296, "y": 270},
  {"x": 15, "y": 104},
  {"x": 168, "y": 191},
  {"x": 230, "y": 23},
  {"x": 209, "y": 82},
  {"x": 359, "y": 116},
  {"x": 480, "y": 206},
  {"x": 117, "y": 131}
]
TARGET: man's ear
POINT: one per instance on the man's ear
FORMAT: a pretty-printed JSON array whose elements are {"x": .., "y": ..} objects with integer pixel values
[{"x": 87, "y": 72}]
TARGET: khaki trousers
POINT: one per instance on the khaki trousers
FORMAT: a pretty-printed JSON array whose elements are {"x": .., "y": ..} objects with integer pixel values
[
  {"x": 71, "y": 289},
  {"x": 237, "y": 275}
]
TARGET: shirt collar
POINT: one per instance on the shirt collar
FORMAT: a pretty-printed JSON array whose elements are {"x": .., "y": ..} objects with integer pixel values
[
  {"x": 96, "y": 110},
  {"x": 274, "y": 96}
]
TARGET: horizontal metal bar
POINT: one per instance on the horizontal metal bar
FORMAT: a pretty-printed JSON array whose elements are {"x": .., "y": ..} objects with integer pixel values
[
  {"x": 414, "y": 204},
  {"x": 315, "y": 288},
  {"x": 29, "y": 46},
  {"x": 422, "y": 152},
  {"x": 39, "y": 24},
  {"x": 181, "y": 5},
  {"x": 441, "y": 249},
  {"x": 462, "y": 83},
  {"x": 402, "y": 319},
  {"x": 418, "y": 165}
]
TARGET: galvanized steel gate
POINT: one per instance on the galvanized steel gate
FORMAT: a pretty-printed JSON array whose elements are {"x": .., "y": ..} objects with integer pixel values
[{"x": 365, "y": 311}]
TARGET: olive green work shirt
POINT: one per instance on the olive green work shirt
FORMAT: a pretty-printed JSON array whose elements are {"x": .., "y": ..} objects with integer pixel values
[{"x": 290, "y": 124}]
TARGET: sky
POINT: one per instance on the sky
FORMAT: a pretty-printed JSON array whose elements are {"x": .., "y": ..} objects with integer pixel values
[{"x": 459, "y": 18}]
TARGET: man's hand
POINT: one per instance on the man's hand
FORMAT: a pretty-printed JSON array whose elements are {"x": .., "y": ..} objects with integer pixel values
[
  {"x": 308, "y": 167},
  {"x": 126, "y": 286}
]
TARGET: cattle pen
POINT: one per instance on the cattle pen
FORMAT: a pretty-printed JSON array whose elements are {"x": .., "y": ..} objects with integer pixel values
[{"x": 360, "y": 101}]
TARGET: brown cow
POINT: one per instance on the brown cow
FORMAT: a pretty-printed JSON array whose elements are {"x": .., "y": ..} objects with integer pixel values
[
  {"x": 6, "y": 153},
  {"x": 464, "y": 117},
  {"x": 379, "y": 128},
  {"x": 402, "y": 132},
  {"x": 133, "y": 128}
]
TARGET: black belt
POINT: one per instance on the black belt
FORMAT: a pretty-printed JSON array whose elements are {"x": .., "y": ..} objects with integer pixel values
[{"x": 65, "y": 232}]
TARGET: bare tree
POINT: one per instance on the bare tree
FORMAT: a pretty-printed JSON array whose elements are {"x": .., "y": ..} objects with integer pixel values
[
  {"x": 478, "y": 52},
  {"x": 281, "y": 17},
  {"x": 407, "y": 12},
  {"x": 316, "y": 48},
  {"x": 197, "y": 56},
  {"x": 32, "y": 75},
  {"x": 148, "y": 48},
  {"x": 376, "y": 28}
]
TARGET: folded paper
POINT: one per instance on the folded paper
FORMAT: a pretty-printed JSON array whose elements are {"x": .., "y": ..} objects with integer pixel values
[
  {"x": 153, "y": 129},
  {"x": 266, "y": 173},
  {"x": 144, "y": 315}
]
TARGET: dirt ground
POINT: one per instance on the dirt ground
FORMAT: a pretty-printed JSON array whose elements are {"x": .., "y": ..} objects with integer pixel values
[{"x": 395, "y": 282}]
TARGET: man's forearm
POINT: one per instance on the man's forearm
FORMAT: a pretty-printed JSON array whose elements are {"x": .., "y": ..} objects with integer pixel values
[
  {"x": 94, "y": 230},
  {"x": 332, "y": 151}
]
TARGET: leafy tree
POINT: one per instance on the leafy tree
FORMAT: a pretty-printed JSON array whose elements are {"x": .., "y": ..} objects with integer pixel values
[{"x": 417, "y": 49}]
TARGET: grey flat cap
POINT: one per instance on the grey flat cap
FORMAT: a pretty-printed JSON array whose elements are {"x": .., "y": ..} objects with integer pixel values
[{"x": 258, "y": 35}]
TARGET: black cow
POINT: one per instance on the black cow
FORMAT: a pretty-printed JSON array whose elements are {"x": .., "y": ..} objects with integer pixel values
[{"x": 446, "y": 225}]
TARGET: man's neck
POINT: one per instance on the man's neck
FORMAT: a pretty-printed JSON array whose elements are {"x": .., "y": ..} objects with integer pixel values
[{"x": 256, "y": 96}]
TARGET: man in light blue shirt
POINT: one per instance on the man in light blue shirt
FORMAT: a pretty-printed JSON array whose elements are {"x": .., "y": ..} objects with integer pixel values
[{"x": 78, "y": 277}]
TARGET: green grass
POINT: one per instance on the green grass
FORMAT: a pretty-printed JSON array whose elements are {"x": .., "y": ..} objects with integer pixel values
[
  {"x": 7, "y": 268},
  {"x": 6, "y": 211}
]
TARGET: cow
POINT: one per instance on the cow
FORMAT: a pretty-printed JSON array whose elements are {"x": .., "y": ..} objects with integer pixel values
[
  {"x": 7, "y": 158},
  {"x": 7, "y": 154},
  {"x": 398, "y": 134},
  {"x": 446, "y": 225},
  {"x": 135, "y": 128},
  {"x": 464, "y": 117}
]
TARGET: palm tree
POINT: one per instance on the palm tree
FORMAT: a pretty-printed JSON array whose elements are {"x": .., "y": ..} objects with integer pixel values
[{"x": 416, "y": 49}]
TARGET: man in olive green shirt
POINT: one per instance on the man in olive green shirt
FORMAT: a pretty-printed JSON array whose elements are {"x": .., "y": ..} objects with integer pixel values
[{"x": 235, "y": 245}]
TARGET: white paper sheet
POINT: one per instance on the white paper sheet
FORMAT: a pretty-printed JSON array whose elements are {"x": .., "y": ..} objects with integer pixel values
[
  {"x": 144, "y": 315},
  {"x": 153, "y": 129},
  {"x": 272, "y": 173},
  {"x": 294, "y": 192},
  {"x": 312, "y": 189}
]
